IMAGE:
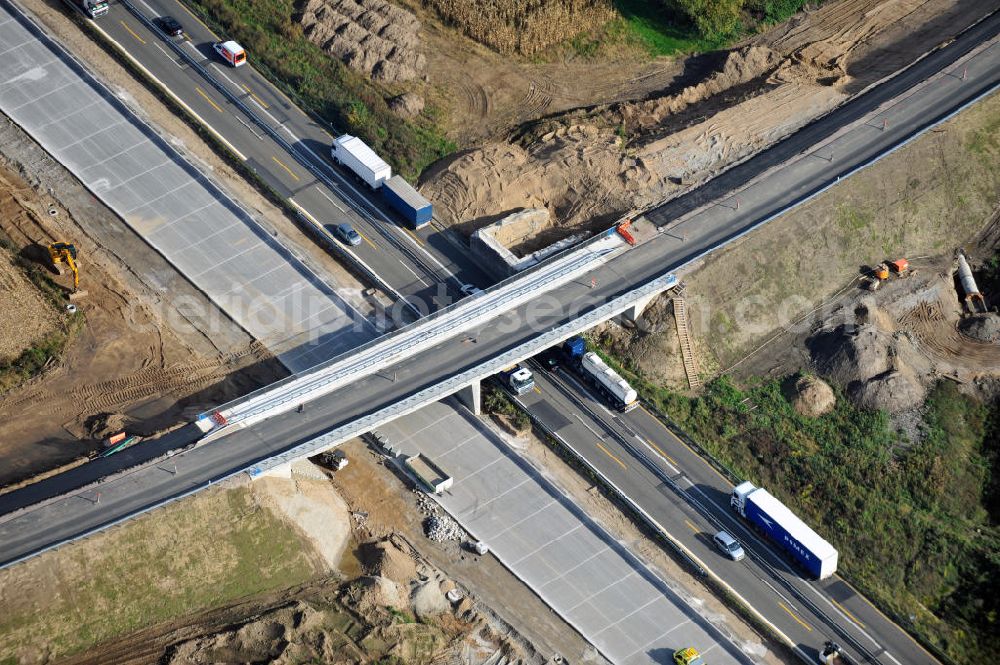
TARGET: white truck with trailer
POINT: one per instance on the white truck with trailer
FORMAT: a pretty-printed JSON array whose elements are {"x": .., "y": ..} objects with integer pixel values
[
  {"x": 781, "y": 525},
  {"x": 353, "y": 153},
  {"x": 609, "y": 382}
]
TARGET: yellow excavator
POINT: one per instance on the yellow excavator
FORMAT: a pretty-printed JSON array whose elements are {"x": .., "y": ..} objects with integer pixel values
[{"x": 64, "y": 252}]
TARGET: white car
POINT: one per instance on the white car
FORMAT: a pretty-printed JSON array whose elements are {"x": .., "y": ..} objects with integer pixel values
[{"x": 728, "y": 546}]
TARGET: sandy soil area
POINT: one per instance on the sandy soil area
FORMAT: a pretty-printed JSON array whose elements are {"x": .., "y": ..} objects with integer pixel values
[
  {"x": 134, "y": 361},
  {"x": 27, "y": 316},
  {"x": 312, "y": 505},
  {"x": 590, "y": 166}
]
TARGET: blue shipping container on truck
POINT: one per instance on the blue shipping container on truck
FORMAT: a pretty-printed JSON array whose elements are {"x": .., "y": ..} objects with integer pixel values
[
  {"x": 407, "y": 201},
  {"x": 575, "y": 347},
  {"x": 808, "y": 548}
]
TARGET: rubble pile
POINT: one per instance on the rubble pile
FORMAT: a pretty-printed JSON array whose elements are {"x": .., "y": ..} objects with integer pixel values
[{"x": 441, "y": 528}]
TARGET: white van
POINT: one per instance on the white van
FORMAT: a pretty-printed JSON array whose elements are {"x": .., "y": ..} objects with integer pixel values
[{"x": 231, "y": 52}]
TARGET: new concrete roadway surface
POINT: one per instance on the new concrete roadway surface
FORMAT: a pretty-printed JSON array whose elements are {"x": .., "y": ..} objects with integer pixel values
[
  {"x": 288, "y": 149},
  {"x": 689, "y": 499},
  {"x": 273, "y": 295},
  {"x": 79, "y": 512},
  {"x": 621, "y": 607}
]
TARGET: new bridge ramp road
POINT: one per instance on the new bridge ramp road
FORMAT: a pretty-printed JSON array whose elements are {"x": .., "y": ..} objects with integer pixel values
[
  {"x": 287, "y": 148},
  {"x": 690, "y": 500},
  {"x": 588, "y": 578},
  {"x": 169, "y": 203}
]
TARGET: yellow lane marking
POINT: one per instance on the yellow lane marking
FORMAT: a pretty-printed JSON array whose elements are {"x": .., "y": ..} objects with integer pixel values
[
  {"x": 195, "y": 17},
  {"x": 208, "y": 99},
  {"x": 792, "y": 614},
  {"x": 672, "y": 435},
  {"x": 415, "y": 237},
  {"x": 251, "y": 93},
  {"x": 281, "y": 164},
  {"x": 132, "y": 32},
  {"x": 608, "y": 453},
  {"x": 867, "y": 602},
  {"x": 537, "y": 390},
  {"x": 693, "y": 527},
  {"x": 367, "y": 240},
  {"x": 662, "y": 454},
  {"x": 851, "y": 616}
]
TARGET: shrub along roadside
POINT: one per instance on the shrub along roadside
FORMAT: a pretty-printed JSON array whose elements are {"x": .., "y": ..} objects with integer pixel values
[
  {"x": 915, "y": 522},
  {"x": 323, "y": 85}
]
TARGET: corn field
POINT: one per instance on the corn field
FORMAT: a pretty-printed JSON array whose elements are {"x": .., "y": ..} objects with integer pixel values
[{"x": 523, "y": 26}]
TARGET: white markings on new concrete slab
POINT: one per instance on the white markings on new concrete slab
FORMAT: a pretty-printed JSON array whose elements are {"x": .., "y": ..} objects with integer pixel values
[
  {"x": 244, "y": 270},
  {"x": 578, "y": 569}
]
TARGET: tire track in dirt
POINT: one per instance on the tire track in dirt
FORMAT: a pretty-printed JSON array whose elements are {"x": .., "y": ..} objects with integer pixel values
[
  {"x": 942, "y": 339},
  {"x": 154, "y": 381}
]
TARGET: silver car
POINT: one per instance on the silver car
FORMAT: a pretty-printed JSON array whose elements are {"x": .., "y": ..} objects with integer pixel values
[{"x": 728, "y": 546}]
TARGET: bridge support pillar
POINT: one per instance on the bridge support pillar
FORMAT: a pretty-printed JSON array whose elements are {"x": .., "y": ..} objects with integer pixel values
[
  {"x": 635, "y": 311},
  {"x": 471, "y": 397}
]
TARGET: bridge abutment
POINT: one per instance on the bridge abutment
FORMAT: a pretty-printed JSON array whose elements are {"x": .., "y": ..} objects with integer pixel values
[{"x": 471, "y": 397}]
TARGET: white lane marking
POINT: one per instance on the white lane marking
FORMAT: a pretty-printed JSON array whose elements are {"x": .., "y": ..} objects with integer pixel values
[
  {"x": 226, "y": 76},
  {"x": 656, "y": 452},
  {"x": 148, "y": 8},
  {"x": 249, "y": 127},
  {"x": 415, "y": 275},
  {"x": 336, "y": 205},
  {"x": 169, "y": 57},
  {"x": 592, "y": 431}
]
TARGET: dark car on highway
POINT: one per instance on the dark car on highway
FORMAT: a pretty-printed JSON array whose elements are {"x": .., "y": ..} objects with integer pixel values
[
  {"x": 551, "y": 358},
  {"x": 169, "y": 25}
]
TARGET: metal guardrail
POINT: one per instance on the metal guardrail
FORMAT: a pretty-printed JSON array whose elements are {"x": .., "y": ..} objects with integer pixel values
[
  {"x": 384, "y": 350},
  {"x": 455, "y": 383}
]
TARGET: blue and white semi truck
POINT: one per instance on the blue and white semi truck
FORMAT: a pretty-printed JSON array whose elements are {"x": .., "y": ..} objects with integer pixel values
[
  {"x": 407, "y": 201},
  {"x": 781, "y": 525}
]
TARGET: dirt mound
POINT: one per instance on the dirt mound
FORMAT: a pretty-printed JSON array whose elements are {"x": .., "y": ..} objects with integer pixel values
[
  {"x": 372, "y": 594},
  {"x": 103, "y": 425},
  {"x": 385, "y": 558},
  {"x": 739, "y": 67},
  {"x": 407, "y": 105},
  {"x": 894, "y": 391},
  {"x": 982, "y": 327},
  {"x": 429, "y": 600},
  {"x": 852, "y": 353},
  {"x": 261, "y": 639},
  {"x": 371, "y": 36},
  {"x": 812, "y": 397}
]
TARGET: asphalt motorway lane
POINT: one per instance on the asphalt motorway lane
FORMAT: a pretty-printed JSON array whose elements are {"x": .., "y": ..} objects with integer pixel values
[
  {"x": 297, "y": 167},
  {"x": 689, "y": 499}
]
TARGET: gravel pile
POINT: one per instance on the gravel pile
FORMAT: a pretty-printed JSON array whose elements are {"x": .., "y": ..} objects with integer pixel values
[{"x": 441, "y": 528}]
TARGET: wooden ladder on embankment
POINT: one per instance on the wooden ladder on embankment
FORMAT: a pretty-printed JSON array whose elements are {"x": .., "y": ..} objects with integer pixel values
[{"x": 684, "y": 336}]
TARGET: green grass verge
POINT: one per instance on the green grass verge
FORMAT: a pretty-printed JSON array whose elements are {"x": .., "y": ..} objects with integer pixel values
[
  {"x": 658, "y": 30},
  {"x": 200, "y": 553},
  {"x": 915, "y": 523},
  {"x": 323, "y": 85}
]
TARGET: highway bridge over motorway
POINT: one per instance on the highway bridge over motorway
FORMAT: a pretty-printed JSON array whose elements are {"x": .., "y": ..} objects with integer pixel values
[{"x": 450, "y": 351}]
